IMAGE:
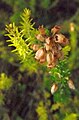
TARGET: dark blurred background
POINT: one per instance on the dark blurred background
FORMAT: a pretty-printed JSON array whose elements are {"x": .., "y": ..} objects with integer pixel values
[{"x": 29, "y": 98}]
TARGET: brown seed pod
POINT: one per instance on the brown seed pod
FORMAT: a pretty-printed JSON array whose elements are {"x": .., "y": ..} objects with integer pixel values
[
  {"x": 54, "y": 88},
  {"x": 40, "y": 37},
  {"x": 66, "y": 42},
  {"x": 61, "y": 39},
  {"x": 48, "y": 40},
  {"x": 52, "y": 65},
  {"x": 71, "y": 84},
  {"x": 55, "y": 48},
  {"x": 59, "y": 47},
  {"x": 49, "y": 65},
  {"x": 49, "y": 58},
  {"x": 35, "y": 47},
  {"x": 60, "y": 55},
  {"x": 43, "y": 59},
  {"x": 42, "y": 30},
  {"x": 40, "y": 53},
  {"x": 55, "y": 29},
  {"x": 48, "y": 46}
]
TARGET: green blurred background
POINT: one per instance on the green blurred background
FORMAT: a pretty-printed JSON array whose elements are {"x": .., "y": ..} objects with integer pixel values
[{"x": 24, "y": 95}]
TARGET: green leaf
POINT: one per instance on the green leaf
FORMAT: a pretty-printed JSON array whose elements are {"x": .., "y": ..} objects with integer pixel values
[
  {"x": 66, "y": 49},
  {"x": 72, "y": 116}
]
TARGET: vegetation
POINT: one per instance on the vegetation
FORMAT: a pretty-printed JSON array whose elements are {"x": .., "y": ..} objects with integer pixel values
[{"x": 30, "y": 89}]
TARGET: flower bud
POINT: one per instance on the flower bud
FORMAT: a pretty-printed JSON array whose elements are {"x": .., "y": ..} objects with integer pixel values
[
  {"x": 39, "y": 54},
  {"x": 54, "y": 88},
  {"x": 40, "y": 37},
  {"x": 71, "y": 84}
]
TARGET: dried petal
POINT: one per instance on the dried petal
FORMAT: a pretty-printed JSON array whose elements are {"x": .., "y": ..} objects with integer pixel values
[
  {"x": 35, "y": 47},
  {"x": 40, "y": 37},
  {"x": 54, "y": 88},
  {"x": 55, "y": 49},
  {"x": 49, "y": 58},
  {"x": 65, "y": 41},
  {"x": 43, "y": 59},
  {"x": 60, "y": 55},
  {"x": 41, "y": 30},
  {"x": 48, "y": 40},
  {"x": 51, "y": 65},
  {"x": 55, "y": 29},
  {"x": 71, "y": 84},
  {"x": 39, "y": 54},
  {"x": 59, "y": 38},
  {"x": 59, "y": 47},
  {"x": 48, "y": 46}
]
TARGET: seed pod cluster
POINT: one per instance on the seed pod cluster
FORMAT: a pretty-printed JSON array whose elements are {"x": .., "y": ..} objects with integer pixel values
[{"x": 50, "y": 49}]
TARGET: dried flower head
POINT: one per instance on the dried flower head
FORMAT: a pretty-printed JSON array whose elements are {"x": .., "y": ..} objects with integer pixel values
[{"x": 50, "y": 50}]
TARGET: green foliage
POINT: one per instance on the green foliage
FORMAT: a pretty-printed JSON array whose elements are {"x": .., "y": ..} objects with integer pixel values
[
  {"x": 32, "y": 4},
  {"x": 17, "y": 7},
  {"x": 66, "y": 50},
  {"x": 67, "y": 111},
  {"x": 6, "y": 55},
  {"x": 73, "y": 36},
  {"x": 5, "y": 82},
  {"x": 72, "y": 116},
  {"x": 20, "y": 37},
  {"x": 55, "y": 106},
  {"x": 10, "y": 11},
  {"x": 45, "y": 3},
  {"x": 27, "y": 27},
  {"x": 59, "y": 75},
  {"x": 42, "y": 112},
  {"x": 1, "y": 99},
  {"x": 73, "y": 60}
]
